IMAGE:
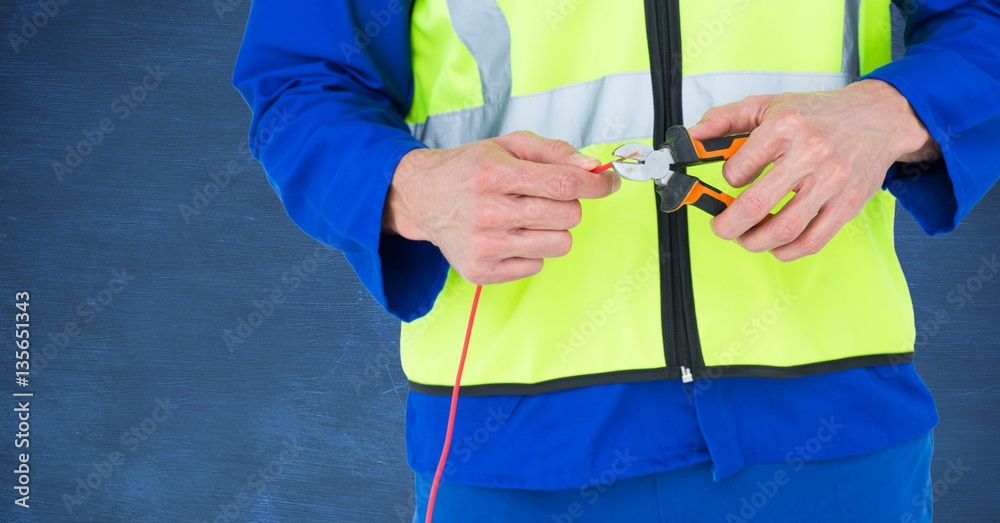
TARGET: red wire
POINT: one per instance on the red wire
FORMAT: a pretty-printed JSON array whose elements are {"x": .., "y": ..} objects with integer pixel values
[
  {"x": 602, "y": 168},
  {"x": 454, "y": 394},
  {"x": 454, "y": 407}
]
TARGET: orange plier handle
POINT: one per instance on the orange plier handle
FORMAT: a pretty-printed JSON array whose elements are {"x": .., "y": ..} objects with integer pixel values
[{"x": 683, "y": 189}]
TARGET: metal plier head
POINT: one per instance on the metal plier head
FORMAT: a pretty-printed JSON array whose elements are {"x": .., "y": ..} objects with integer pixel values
[
  {"x": 641, "y": 163},
  {"x": 664, "y": 166}
]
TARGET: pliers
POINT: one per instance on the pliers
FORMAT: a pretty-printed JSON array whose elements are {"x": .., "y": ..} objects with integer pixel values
[{"x": 665, "y": 166}]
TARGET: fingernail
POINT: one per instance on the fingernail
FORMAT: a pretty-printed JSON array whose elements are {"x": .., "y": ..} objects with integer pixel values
[
  {"x": 616, "y": 184},
  {"x": 585, "y": 160}
]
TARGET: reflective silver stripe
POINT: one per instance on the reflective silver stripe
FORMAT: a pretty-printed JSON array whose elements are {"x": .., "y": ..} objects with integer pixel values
[
  {"x": 851, "y": 58},
  {"x": 482, "y": 27},
  {"x": 610, "y": 109},
  {"x": 615, "y": 108},
  {"x": 704, "y": 91}
]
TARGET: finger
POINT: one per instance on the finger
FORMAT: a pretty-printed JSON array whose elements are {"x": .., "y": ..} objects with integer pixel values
[
  {"x": 513, "y": 269},
  {"x": 536, "y": 213},
  {"x": 816, "y": 235},
  {"x": 762, "y": 147},
  {"x": 737, "y": 117},
  {"x": 529, "y": 243},
  {"x": 502, "y": 271},
  {"x": 511, "y": 213},
  {"x": 750, "y": 207},
  {"x": 488, "y": 249},
  {"x": 787, "y": 224},
  {"x": 527, "y": 145},
  {"x": 557, "y": 182}
]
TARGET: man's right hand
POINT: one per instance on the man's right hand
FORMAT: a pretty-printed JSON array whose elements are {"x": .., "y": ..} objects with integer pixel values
[{"x": 496, "y": 208}]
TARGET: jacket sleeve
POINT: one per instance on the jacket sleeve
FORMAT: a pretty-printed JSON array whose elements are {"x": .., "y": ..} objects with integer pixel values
[
  {"x": 951, "y": 76},
  {"x": 328, "y": 84}
]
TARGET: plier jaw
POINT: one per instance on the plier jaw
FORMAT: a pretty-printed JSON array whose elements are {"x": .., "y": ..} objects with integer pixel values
[
  {"x": 665, "y": 167},
  {"x": 641, "y": 163}
]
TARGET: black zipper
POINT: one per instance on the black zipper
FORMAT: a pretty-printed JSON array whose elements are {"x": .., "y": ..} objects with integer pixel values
[{"x": 680, "y": 336}]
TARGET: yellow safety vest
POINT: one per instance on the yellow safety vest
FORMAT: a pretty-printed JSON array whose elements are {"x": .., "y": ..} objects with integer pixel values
[{"x": 646, "y": 295}]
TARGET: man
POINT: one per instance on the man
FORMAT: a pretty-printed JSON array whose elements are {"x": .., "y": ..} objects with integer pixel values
[{"x": 642, "y": 367}]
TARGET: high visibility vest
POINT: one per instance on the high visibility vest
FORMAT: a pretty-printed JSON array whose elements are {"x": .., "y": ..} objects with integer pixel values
[{"x": 646, "y": 295}]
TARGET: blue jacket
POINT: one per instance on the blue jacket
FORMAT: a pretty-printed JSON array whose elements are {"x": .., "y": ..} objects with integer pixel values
[{"x": 328, "y": 127}]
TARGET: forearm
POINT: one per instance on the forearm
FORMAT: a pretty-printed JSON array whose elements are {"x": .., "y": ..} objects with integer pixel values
[{"x": 333, "y": 159}]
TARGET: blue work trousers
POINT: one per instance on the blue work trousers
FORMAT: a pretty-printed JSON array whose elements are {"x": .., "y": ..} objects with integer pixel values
[{"x": 890, "y": 485}]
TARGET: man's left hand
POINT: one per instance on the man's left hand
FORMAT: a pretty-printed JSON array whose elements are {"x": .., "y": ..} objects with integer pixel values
[{"x": 832, "y": 149}]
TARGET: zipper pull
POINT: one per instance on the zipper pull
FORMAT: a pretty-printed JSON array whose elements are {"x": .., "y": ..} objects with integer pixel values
[{"x": 686, "y": 375}]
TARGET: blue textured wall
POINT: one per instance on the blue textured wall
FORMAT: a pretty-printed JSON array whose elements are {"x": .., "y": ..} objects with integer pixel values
[{"x": 153, "y": 402}]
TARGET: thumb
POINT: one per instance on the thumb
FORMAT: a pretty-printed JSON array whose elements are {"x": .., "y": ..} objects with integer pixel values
[
  {"x": 527, "y": 145},
  {"x": 737, "y": 117}
]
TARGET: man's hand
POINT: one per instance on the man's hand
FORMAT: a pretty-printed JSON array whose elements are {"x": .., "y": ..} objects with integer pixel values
[
  {"x": 496, "y": 208},
  {"x": 831, "y": 148}
]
